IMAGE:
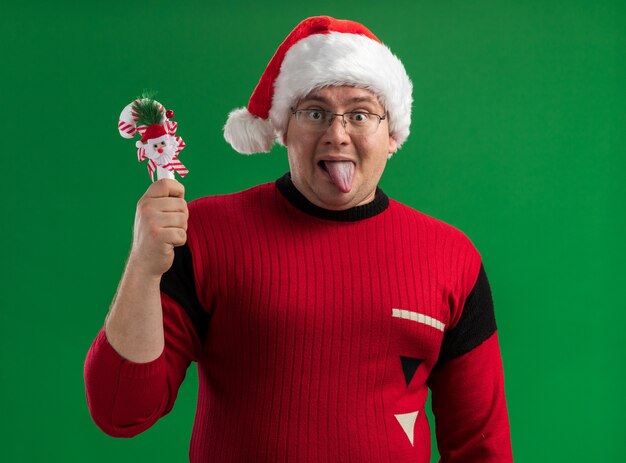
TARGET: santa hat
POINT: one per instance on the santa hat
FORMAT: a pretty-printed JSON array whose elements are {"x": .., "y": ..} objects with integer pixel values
[
  {"x": 153, "y": 131},
  {"x": 321, "y": 51}
]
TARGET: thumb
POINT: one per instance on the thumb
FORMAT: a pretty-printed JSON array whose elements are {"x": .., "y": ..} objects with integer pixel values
[{"x": 166, "y": 187}]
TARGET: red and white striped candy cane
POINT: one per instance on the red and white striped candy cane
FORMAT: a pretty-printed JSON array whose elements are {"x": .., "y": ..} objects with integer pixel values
[{"x": 127, "y": 123}]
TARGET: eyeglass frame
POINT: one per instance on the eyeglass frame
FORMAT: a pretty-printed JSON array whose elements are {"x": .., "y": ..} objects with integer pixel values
[{"x": 333, "y": 115}]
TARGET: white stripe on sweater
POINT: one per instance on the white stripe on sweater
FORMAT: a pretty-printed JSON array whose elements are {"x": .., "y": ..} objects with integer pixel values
[{"x": 418, "y": 317}]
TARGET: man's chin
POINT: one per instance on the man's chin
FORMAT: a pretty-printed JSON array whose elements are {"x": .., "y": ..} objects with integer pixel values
[{"x": 332, "y": 198}]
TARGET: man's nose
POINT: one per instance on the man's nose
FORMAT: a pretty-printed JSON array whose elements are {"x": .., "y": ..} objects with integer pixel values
[
  {"x": 336, "y": 133},
  {"x": 160, "y": 150}
]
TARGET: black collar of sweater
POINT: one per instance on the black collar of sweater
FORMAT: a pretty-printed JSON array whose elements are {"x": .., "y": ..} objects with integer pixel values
[{"x": 379, "y": 204}]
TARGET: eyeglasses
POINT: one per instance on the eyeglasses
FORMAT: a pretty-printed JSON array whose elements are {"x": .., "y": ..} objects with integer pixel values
[{"x": 356, "y": 122}]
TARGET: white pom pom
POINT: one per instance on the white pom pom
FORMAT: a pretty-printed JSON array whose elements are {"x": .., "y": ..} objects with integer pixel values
[{"x": 248, "y": 134}]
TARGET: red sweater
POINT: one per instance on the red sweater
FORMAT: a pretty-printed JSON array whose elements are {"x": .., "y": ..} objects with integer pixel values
[{"x": 317, "y": 335}]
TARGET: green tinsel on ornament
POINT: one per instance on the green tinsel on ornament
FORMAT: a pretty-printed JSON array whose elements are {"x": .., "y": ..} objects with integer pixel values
[{"x": 147, "y": 109}]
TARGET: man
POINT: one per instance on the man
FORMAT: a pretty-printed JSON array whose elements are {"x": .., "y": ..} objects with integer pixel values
[{"x": 318, "y": 310}]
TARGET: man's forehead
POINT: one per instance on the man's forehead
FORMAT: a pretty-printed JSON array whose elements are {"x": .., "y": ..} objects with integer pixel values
[{"x": 342, "y": 95}]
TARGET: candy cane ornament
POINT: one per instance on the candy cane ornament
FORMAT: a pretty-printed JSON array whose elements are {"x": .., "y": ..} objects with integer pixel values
[{"x": 159, "y": 144}]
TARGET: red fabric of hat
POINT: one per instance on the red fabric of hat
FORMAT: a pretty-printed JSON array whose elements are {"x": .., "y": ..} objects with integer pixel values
[
  {"x": 261, "y": 99},
  {"x": 152, "y": 132}
]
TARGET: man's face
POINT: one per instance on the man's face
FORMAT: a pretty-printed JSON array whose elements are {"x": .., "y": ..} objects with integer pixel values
[{"x": 312, "y": 153}]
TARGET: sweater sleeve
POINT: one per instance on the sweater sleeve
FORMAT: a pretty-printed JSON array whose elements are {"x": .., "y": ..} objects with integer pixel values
[
  {"x": 467, "y": 386},
  {"x": 126, "y": 398}
]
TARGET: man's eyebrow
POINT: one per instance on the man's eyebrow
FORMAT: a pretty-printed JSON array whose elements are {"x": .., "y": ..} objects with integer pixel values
[{"x": 356, "y": 99}]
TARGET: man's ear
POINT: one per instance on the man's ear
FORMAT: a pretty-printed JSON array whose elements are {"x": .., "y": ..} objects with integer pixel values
[{"x": 393, "y": 146}]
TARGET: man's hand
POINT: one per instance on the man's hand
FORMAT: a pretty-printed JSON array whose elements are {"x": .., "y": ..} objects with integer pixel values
[
  {"x": 134, "y": 326},
  {"x": 160, "y": 225}
]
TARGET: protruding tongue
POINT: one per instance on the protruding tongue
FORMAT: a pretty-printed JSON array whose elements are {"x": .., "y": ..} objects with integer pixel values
[{"x": 341, "y": 174}]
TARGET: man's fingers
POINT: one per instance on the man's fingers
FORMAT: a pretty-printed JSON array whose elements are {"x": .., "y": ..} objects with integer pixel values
[
  {"x": 148, "y": 207},
  {"x": 163, "y": 204},
  {"x": 171, "y": 220},
  {"x": 172, "y": 205},
  {"x": 173, "y": 236}
]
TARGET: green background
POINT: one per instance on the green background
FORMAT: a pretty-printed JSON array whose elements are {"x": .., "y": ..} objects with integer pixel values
[{"x": 518, "y": 136}]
